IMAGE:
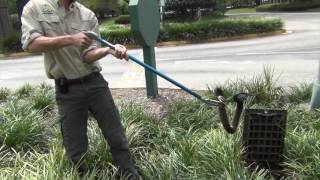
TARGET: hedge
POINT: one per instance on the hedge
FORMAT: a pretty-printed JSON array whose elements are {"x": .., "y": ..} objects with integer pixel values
[
  {"x": 294, "y": 6},
  {"x": 120, "y": 36},
  {"x": 11, "y": 43},
  {"x": 200, "y": 31},
  {"x": 197, "y": 31},
  {"x": 123, "y": 19}
]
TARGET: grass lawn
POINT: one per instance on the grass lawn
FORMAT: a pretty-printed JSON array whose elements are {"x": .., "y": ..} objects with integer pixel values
[{"x": 241, "y": 10}]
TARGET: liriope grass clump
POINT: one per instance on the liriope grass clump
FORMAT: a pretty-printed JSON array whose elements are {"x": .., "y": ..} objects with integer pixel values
[
  {"x": 4, "y": 94},
  {"x": 142, "y": 130},
  {"x": 24, "y": 91},
  {"x": 38, "y": 166},
  {"x": 43, "y": 98},
  {"x": 302, "y": 143},
  {"x": 20, "y": 126},
  {"x": 264, "y": 88},
  {"x": 98, "y": 155},
  {"x": 23, "y": 118},
  {"x": 302, "y": 154},
  {"x": 300, "y": 93},
  {"x": 301, "y": 119},
  {"x": 186, "y": 114},
  {"x": 188, "y": 143},
  {"x": 266, "y": 91}
]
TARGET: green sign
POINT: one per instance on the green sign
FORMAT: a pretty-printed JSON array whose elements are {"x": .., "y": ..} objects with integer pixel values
[
  {"x": 145, "y": 20},
  {"x": 145, "y": 23}
]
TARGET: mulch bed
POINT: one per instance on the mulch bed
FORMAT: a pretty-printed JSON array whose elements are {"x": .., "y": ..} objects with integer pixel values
[{"x": 157, "y": 107}]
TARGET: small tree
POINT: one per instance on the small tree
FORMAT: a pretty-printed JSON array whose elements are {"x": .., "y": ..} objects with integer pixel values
[
  {"x": 190, "y": 9},
  {"x": 5, "y": 22},
  {"x": 101, "y": 7}
]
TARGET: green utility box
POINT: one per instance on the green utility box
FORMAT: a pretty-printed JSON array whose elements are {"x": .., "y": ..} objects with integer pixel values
[{"x": 145, "y": 24}]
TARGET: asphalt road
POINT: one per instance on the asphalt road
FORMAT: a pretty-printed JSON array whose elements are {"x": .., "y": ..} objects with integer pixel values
[{"x": 293, "y": 56}]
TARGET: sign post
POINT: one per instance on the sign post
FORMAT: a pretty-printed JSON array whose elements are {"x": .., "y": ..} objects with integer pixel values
[
  {"x": 315, "y": 100},
  {"x": 145, "y": 24}
]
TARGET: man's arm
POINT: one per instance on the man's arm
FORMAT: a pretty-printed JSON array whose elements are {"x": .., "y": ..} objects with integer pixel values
[
  {"x": 44, "y": 44},
  {"x": 33, "y": 38},
  {"x": 95, "y": 54}
]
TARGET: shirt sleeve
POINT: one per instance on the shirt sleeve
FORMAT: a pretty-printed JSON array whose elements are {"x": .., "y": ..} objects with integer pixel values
[
  {"x": 95, "y": 28},
  {"x": 31, "y": 28}
]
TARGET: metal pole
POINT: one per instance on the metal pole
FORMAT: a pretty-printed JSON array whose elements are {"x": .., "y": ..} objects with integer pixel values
[
  {"x": 315, "y": 99},
  {"x": 93, "y": 35},
  {"x": 151, "y": 78}
]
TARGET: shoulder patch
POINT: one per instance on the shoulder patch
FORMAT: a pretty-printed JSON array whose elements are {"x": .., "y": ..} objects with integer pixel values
[{"x": 46, "y": 9}]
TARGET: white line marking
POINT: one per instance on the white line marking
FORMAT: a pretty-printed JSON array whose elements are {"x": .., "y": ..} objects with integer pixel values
[
  {"x": 272, "y": 53},
  {"x": 5, "y": 75},
  {"x": 212, "y": 62},
  {"x": 194, "y": 61}
]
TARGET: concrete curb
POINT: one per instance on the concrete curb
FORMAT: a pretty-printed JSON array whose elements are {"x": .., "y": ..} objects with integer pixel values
[{"x": 15, "y": 56}]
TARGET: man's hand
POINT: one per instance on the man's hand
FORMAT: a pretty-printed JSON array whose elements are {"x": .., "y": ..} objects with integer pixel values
[
  {"x": 81, "y": 40},
  {"x": 120, "y": 52}
]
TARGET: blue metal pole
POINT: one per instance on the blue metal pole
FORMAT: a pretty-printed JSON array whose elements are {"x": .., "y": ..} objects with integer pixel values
[{"x": 150, "y": 68}]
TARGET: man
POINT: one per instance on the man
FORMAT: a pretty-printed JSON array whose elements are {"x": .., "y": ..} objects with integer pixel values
[{"x": 56, "y": 27}]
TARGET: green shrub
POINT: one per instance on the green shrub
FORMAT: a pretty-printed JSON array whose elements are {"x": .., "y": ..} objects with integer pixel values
[
  {"x": 294, "y": 6},
  {"x": 11, "y": 43},
  {"x": 119, "y": 36},
  {"x": 198, "y": 31},
  {"x": 123, "y": 19}
]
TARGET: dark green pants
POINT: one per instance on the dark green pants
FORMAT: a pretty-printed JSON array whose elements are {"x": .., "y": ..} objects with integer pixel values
[{"x": 94, "y": 96}]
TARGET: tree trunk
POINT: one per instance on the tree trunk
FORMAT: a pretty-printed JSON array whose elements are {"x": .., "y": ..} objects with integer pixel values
[
  {"x": 5, "y": 23},
  {"x": 258, "y": 2}
]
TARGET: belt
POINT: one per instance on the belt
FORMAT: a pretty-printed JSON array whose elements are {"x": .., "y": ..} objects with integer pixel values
[{"x": 86, "y": 78}]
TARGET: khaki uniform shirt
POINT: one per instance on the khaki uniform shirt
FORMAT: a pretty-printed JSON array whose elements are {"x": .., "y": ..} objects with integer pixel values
[{"x": 49, "y": 18}]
